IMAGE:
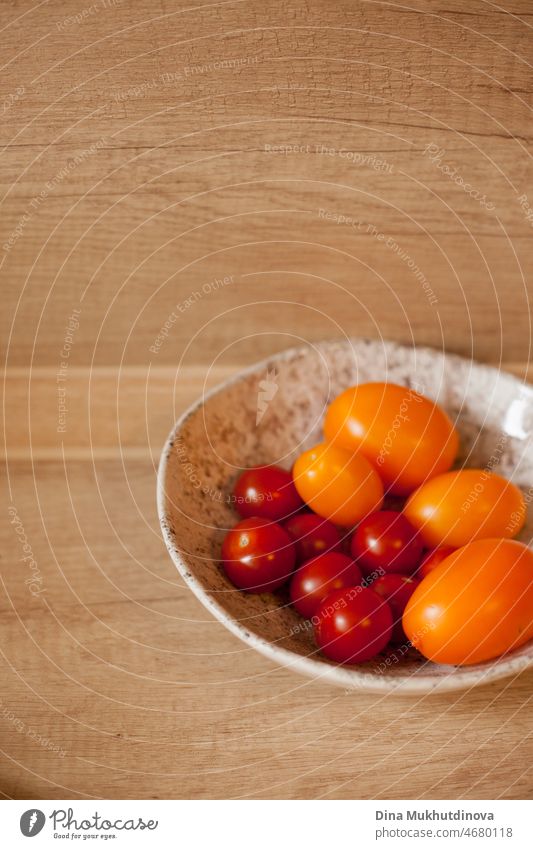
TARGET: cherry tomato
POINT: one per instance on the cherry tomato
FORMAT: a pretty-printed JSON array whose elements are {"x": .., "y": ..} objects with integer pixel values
[
  {"x": 475, "y": 606},
  {"x": 312, "y": 535},
  {"x": 319, "y": 577},
  {"x": 432, "y": 560},
  {"x": 396, "y": 590},
  {"x": 336, "y": 484},
  {"x": 459, "y": 507},
  {"x": 405, "y": 435},
  {"x": 266, "y": 491},
  {"x": 386, "y": 540},
  {"x": 354, "y": 625},
  {"x": 257, "y": 555}
]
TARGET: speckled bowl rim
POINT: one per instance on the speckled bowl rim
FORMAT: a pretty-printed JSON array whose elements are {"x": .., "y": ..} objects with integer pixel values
[{"x": 347, "y": 677}]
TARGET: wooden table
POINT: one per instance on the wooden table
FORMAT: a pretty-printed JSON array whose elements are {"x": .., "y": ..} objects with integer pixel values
[{"x": 187, "y": 187}]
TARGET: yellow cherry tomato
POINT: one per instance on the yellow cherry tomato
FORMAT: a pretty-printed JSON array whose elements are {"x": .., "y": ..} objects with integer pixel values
[
  {"x": 459, "y": 507},
  {"x": 407, "y": 437},
  {"x": 337, "y": 484},
  {"x": 475, "y": 606}
]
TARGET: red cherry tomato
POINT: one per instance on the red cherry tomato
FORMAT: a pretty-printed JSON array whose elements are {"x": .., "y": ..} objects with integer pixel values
[
  {"x": 386, "y": 540},
  {"x": 312, "y": 535},
  {"x": 353, "y": 625},
  {"x": 257, "y": 555},
  {"x": 432, "y": 559},
  {"x": 266, "y": 491},
  {"x": 396, "y": 590},
  {"x": 319, "y": 577}
]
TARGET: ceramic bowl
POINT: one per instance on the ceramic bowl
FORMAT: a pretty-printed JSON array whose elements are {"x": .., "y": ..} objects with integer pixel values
[{"x": 273, "y": 411}]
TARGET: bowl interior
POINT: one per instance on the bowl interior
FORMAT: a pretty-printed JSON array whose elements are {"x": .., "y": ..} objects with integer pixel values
[{"x": 270, "y": 414}]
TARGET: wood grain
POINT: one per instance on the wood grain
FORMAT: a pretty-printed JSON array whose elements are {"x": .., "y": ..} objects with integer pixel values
[{"x": 144, "y": 160}]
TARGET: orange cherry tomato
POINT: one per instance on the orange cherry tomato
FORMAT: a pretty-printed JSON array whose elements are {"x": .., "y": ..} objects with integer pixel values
[
  {"x": 337, "y": 484},
  {"x": 475, "y": 606},
  {"x": 459, "y": 507},
  {"x": 406, "y": 436}
]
